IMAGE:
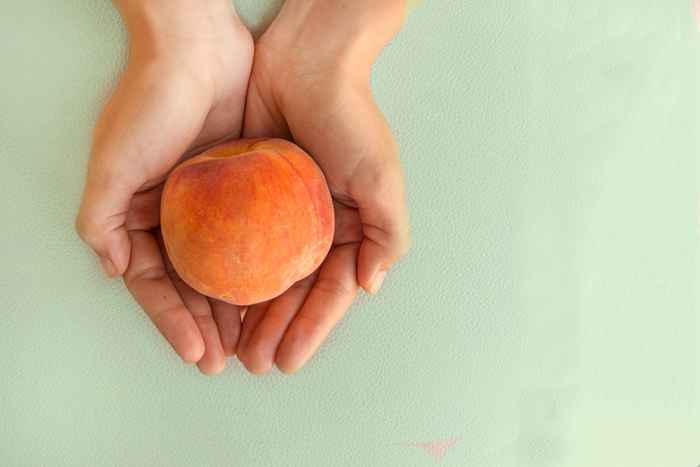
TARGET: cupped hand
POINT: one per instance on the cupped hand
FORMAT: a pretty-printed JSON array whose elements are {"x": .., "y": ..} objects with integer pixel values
[
  {"x": 184, "y": 88},
  {"x": 310, "y": 84}
]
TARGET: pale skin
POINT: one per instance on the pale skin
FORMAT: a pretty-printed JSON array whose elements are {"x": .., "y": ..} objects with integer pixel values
[{"x": 191, "y": 82}]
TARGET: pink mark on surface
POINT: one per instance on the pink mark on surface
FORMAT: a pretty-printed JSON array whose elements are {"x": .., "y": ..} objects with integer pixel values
[
  {"x": 696, "y": 12},
  {"x": 436, "y": 449}
]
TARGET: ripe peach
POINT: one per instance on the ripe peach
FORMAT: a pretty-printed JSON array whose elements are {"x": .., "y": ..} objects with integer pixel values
[{"x": 245, "y": 220}]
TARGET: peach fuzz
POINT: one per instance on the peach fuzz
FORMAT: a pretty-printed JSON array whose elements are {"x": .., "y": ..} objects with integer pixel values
[{"x": 245, "y": 220}]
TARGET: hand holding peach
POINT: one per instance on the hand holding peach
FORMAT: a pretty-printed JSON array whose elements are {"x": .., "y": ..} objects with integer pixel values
[
  {"x": 183, "y": 88},
  {"x": 311, "y": 84}
]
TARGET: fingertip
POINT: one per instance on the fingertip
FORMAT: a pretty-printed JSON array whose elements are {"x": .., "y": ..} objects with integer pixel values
[
  {"x": 113, "y": 250},
  {"x": 288, "y": 366},
  {"x": 364, "y": 279},
  {"x": 192, "y": 353},
  {"x": 254, "y": 360},
  {"x": 212, "y": 368},
  {"x": 370, "y": 272},
  {"x": 293, "y": 353},
  {"x": 373, "y": 264},
  {"x": 367, "y": 279},
  {"x": 257, "y": 370},
  {"x": 120, "y": 251},
  {"x": 108, "y": 267},
  {"x": 376, "y": 282}
]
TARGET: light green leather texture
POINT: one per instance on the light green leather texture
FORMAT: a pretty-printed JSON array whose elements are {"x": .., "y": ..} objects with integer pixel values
[{"x": 546, "y": 316}]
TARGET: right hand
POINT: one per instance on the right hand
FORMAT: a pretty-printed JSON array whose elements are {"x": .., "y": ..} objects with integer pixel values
[
  {"x": 184, "y": 88},
  {"x": 311, "y": 84}
]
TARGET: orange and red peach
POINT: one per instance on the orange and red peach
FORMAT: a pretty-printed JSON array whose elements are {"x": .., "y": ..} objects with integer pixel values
[{"x": 245, "y": 220}]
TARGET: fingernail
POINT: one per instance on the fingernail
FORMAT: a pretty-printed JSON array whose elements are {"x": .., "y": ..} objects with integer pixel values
[
  {"x": 108, "y": 267},
  {"x": 377, "y": 281}
]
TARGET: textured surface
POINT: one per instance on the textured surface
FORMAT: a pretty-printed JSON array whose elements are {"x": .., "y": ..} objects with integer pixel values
[{"x": 546, "y": 316}]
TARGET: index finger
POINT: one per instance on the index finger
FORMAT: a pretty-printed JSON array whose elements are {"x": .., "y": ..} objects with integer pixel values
[
  {"x": 329, "y": 299},
  {"x": 149, "y": 283}
]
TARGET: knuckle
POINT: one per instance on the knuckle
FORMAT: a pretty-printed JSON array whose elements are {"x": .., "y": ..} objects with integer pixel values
[
  {"x": 149, "y": 273},
  {"x": 383, "y": 175}
]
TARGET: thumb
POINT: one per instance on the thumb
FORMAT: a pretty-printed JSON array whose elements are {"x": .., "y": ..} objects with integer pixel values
[
  {"x": 385, "y": 229},
  {"x": 111, "y": 179},
  {"x": 101, "y": 222},
  {"x": 360, "y": 158},
  {"x": 378, "y": 189},
  {"x": 149, "y": 122}
]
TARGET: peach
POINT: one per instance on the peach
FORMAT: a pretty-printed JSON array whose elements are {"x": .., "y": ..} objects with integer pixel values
[{"x": 245, "y": 220}]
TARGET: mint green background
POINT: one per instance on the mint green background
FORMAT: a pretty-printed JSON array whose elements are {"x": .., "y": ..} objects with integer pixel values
[{"x": 547, "y": 315}]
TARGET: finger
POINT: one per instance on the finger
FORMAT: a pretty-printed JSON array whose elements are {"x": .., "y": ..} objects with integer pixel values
[
  {"x": 149, "y": 283},
  {"x": 329, "y": 298},
  {"x": 348, "y": 227},
  {"x": 144, "y": 210},
  {"x": 100, "y": 222},
  {"x": 251, "y": 319},
  {"x": 258, "y": 354},
  {"x": 384, "y": 218},
  {"x": 213, "y": 360},
  {"x": 228, "y": 320}
]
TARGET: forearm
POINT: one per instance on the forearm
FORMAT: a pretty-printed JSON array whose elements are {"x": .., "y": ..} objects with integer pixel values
[
  {"x": 348, "y": 13},
  {"x": 345, "y": 33},
  {"x": 166, "y": 23}
]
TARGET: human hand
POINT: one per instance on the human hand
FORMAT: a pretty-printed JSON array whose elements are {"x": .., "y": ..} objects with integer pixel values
[
  {"x": 184, "y": 88},
  {"x": 310, "y": 84}
]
